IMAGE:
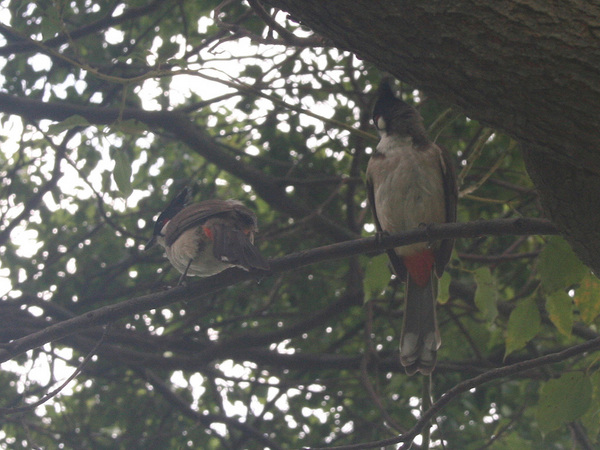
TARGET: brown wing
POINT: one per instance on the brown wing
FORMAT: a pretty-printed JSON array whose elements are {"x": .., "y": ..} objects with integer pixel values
[
  {"x": 196, "y": 214},
  {"x": 235, "y": 246},
  {"x": 395, "y": 260},
  {"x": 443, "y": 253}
]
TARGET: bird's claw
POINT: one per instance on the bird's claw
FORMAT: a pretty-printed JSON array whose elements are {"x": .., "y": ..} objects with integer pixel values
[
  {"x": 379, "y": 235},
  {"x": 181, "y": 281},
  {"x": 427, "y": 227}
]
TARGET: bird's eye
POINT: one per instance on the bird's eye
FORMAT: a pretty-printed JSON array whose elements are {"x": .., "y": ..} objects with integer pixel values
[{"x": 379, "y": 122}]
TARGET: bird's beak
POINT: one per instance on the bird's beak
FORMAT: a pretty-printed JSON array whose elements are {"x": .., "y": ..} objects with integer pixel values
[{"x": 150, "y": 243}]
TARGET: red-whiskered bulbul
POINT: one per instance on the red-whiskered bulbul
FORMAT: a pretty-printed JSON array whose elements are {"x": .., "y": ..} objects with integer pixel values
[
  {"x": 206, "y": 238},
  {"x": 411, "y": 181}
]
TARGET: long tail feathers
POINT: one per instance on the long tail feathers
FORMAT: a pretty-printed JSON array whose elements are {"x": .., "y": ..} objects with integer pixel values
[
  {"x": 420, "y": 338},
  {"x": 235, "y": 247}
]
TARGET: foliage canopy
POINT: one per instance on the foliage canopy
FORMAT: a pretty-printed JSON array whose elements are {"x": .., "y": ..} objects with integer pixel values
[{"x": 109, "y": 109}]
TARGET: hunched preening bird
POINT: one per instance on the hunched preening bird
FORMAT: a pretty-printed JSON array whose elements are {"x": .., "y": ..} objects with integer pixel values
[
  {"x": 411, "y": 181},
  {"x": 205, "y": 238}
]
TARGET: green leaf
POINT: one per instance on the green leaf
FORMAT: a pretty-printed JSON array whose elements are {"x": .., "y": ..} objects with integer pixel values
[
  {"x": 122, "y": 172},
  {"x": 587, "y": 298},
  {"x": 558, "y": 266},
  {"x": 563, "y": 400},
  {"x": 560, "y": 310},
  {"x": 70, "y": 122},
  {"x": 523, "y": 325},
  {"x": 486, "y": 294},
  {"x": 51, "y": 25},
  {"x": 377, "y": 276},
  {"x": 287, "y": 67},
  {"x": 106, "y": 181},
  {"x": 167, "y": 50},
  {"x": 591, "y": 419},
  {"x": 444, "y": 288},
  {"x": 253, "y": 71},
  {"x": 129, "y": 126}
]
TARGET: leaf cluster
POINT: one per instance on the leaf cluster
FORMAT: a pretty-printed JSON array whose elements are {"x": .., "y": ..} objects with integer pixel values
[{"x": 111, "y": 109}]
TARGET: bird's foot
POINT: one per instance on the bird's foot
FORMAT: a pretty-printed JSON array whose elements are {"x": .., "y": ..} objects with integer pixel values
[
  {"x": 427, "y": 227},
  {"x": 184, "y": 274},
  {"x": 181, "y": 281},
  {"x": 379, "y": 235}
]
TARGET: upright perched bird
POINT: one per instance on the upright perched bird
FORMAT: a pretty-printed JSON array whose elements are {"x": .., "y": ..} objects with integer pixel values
[
  {"x": 208, "y": 237},
  {"x": 411, "y": 181}
]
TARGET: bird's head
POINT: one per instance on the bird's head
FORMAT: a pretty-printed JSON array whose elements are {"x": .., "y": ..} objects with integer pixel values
[{"x": 393, "y": 116}]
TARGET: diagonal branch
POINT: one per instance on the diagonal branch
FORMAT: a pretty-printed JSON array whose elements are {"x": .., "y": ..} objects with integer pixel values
[
  {"x": 268, "y": 187},
  {"x": 24, "y": 44},
  {"x": 196, "y": 291},
  {"x": 55, "y": 392},
  {"x": 467, "y": 385}
]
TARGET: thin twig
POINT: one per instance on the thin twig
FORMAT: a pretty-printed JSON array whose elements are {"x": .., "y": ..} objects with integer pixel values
[
  {"x": 205, "y": 419},
  {"x": 465, "y": 386},
  {"x": 56, "y": 391}
]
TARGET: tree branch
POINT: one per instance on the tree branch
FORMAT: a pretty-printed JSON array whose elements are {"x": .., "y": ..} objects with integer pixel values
[
  {"x": 465, "y": 386},
  {"x": 53, "y": 393},
  {"x": 287, "y": 37},
  {"x": 177, "y": 123},
  {"x": 26, "y": 44},
  {"x": 196, "y": 291},
  {"x": 36, "y": 197},
  {"x": 205, "y": 419}
]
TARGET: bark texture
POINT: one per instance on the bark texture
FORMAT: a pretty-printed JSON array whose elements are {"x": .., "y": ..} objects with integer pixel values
[{"x": 530, "y": 68}]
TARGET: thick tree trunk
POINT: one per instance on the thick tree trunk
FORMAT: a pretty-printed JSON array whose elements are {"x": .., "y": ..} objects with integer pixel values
[{"x": 530, "y": 68}]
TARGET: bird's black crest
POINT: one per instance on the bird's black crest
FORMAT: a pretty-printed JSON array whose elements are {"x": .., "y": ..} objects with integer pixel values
[{"x": 386, "y": 100}]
